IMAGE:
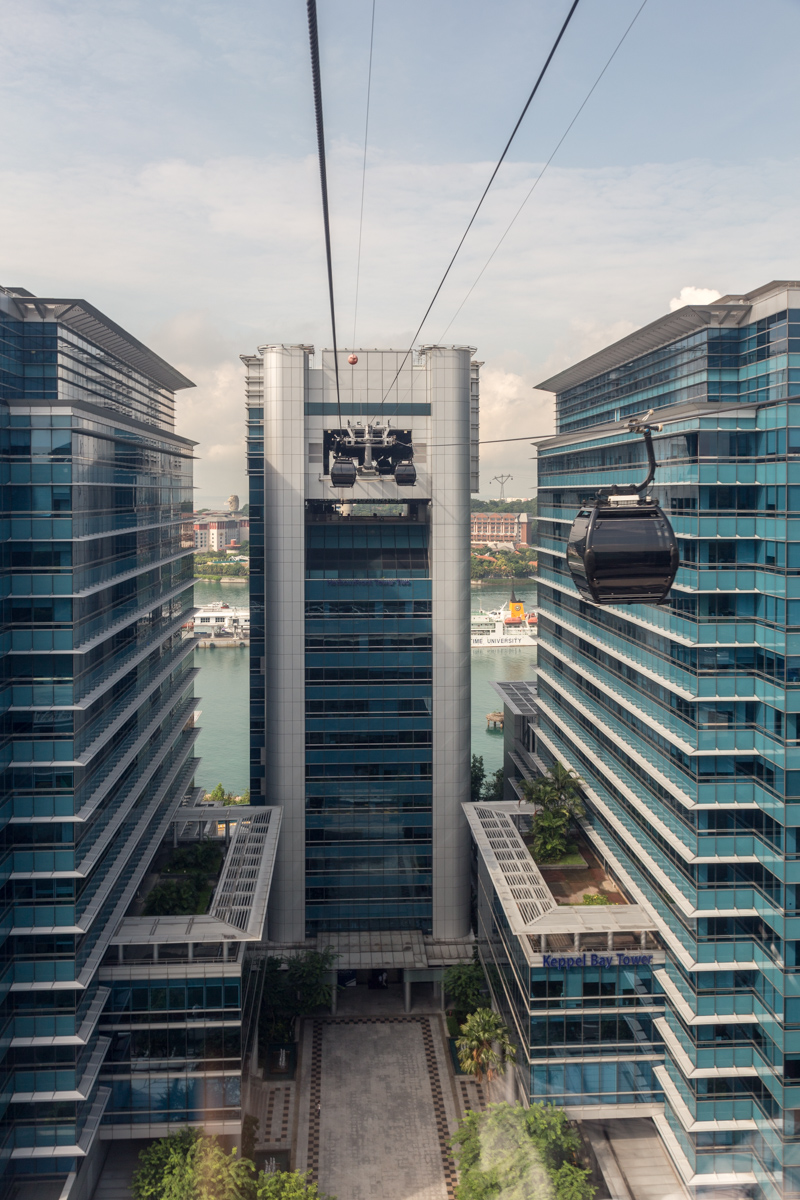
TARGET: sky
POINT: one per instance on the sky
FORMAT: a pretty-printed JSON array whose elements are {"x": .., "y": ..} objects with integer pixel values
[{"x": 159, "y": 160}]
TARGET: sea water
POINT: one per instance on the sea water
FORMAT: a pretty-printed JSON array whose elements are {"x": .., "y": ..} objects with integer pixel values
[{"x": 222, "y": 688}]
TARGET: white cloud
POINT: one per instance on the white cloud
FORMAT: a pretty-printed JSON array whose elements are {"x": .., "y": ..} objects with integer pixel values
[
  {"x": 511, "y": 409},
  {"x": 205, "y": 260},
  {"x": 694, "y": 295}
]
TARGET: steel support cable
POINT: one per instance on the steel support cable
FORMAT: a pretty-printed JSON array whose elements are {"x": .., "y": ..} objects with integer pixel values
[
  {"x": 492, "y": 178},
  {"x": 364, "y": 172},
  {"x": 313, "y": 38},
  {"x": 538, "y": 178}
]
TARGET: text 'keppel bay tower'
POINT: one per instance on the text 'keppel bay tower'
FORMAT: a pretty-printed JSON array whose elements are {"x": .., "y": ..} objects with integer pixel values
[
  {"x": 360, "y": 648},
  {"x": 682, "y": 718},
  {"x": 97, "y": 696}
]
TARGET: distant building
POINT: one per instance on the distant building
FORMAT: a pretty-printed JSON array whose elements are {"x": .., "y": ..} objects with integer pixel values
[
  {"x": 216, "y": 530},
  {"x": 500, "y": 527}
]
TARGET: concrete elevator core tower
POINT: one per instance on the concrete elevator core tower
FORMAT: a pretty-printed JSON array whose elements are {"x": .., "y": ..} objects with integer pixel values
[{"x": 360, "y": 653}]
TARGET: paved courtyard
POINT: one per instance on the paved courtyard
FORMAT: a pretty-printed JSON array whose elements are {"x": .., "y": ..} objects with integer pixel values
[{"x": 378, "y": 1102}]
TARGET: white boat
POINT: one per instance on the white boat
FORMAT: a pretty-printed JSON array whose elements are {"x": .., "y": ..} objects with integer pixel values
[
  {"x": 501, "y": 628},
  {"x": 221, "y": 621}
]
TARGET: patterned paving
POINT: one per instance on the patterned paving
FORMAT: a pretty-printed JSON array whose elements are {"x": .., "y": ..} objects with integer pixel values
[
  {"x": 272, "y": 1108},
  {"x": 472, "y": 1096},
  {"x": 380, "y": 1115}
]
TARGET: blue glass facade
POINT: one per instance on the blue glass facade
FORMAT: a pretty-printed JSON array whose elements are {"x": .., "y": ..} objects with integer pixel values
[
  {"x": 176, "y": 1041},
  {"x": 755, "y": 362},
  {"x": 97, "y": 694},
  {"x": 682, "y": 718},
  {"x": 585, "y": 1035},
  {"x": 369, "y": 737}
]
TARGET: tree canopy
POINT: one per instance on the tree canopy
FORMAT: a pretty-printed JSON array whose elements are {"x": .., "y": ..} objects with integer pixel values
[
  {"x": 483, "y": 786},
  {"x": 188, "y": 1166},
  {"x": 293, "y": 987},
  {"x": 463, "y": 984},
  {"x": 516, "y": 1154}
]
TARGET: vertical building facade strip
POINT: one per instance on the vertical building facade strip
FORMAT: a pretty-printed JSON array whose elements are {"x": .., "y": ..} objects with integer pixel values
[
  {"x": 285, "y": 373},
  {"x": 449, "y": 454},
  {"x": 97, "y": 704},
  {"x": 682, "y": 719}
]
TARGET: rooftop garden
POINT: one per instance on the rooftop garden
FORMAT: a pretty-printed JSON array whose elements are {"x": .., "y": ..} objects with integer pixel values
[
  {"x": 572, "y": 871},
  {"x": 185, "y": 881}
]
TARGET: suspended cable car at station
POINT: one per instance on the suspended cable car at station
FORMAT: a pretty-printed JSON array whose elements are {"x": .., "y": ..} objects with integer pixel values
[
  {"x": 621, "y": 548},
  {"x": 405, "y": 474},
  {"x": 343, "y": 473}
]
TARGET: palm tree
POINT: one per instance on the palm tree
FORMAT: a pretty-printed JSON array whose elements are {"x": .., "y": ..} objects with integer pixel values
[
  {"x": 558, "y": 790},
  {"x": 480, "y": 1034},
  {"x": 550, "y": 840},
  {"x": 566, "y": 787}
]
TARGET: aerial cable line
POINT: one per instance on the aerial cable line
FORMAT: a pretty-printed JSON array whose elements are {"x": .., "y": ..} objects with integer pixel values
[
  {"x": 538, "y": 178},
  {"x": 364, "y": 171},
  {"x": 313, "y": 37},
  {"x": 492, "y": 177}
]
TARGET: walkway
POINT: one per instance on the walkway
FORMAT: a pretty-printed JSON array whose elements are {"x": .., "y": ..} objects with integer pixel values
[
  {"x": 633, "y": 1160},
  {"x": 378, "y": 1101}
]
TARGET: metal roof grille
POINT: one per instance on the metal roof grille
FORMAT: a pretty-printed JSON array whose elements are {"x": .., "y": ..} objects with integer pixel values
[
  {"x": 241, "y": 895},
  {"x": 512, "y": 867}
]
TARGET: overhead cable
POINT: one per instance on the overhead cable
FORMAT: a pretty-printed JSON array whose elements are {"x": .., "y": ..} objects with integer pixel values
[
  {"x": 492, "y": 177},
  {"x": 364, "y": 171},
  {"x": 313, "y": 37},
  {"x": 544, "y": 168}
]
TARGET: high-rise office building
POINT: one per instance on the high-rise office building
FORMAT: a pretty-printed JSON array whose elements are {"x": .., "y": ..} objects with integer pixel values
[
  {"x": 682, "y": 718},
  {"x": 97, "y": 711},
  {"x": 360, "y": 638}
]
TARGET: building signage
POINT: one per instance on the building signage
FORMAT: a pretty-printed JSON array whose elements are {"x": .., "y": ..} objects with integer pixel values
[{"x": 579, "y": 961}]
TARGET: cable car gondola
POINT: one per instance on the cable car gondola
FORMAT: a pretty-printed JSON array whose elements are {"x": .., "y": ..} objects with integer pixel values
[
  {"x": 343, "y": 473},
  {"x": 405, "y": 474},
  {"x": 621, "y": 548}
]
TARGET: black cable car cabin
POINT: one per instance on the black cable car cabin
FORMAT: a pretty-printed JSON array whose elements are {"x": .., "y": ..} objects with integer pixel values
[
  {"x": 621, "y": 548},
  {"x": 343, "y": 473}
]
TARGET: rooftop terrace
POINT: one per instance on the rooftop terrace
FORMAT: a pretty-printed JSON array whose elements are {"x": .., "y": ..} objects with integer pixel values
[{"x": 530, "y": 907}]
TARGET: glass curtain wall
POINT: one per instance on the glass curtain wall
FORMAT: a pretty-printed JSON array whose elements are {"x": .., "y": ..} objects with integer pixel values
[
  {"x": 682, "y": 719},
  {"x": 97, "y": 697},
  {"x": 368, "y": 725}
]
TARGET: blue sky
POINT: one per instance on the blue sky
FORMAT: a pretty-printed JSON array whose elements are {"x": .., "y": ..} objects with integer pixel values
[{"x": 159, "y": 160}]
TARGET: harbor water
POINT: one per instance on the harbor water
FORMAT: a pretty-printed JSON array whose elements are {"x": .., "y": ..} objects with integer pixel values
[{"x": 222, "y": 688}]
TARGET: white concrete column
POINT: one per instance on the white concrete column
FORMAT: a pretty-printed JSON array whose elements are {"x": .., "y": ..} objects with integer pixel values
[
  {"x": 448, "y": 374},
  {"x": 285, "y": 386}
]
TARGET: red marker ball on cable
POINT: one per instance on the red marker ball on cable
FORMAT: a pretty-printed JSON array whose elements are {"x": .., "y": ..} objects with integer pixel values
[{"x": 353, "y": 359}]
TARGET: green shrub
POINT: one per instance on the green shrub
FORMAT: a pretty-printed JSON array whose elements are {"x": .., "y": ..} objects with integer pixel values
[
  {"x": 463, "y": 984},
  {"x": 189, "y": 1166},
  {"x": 507, "y": 1151}
]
